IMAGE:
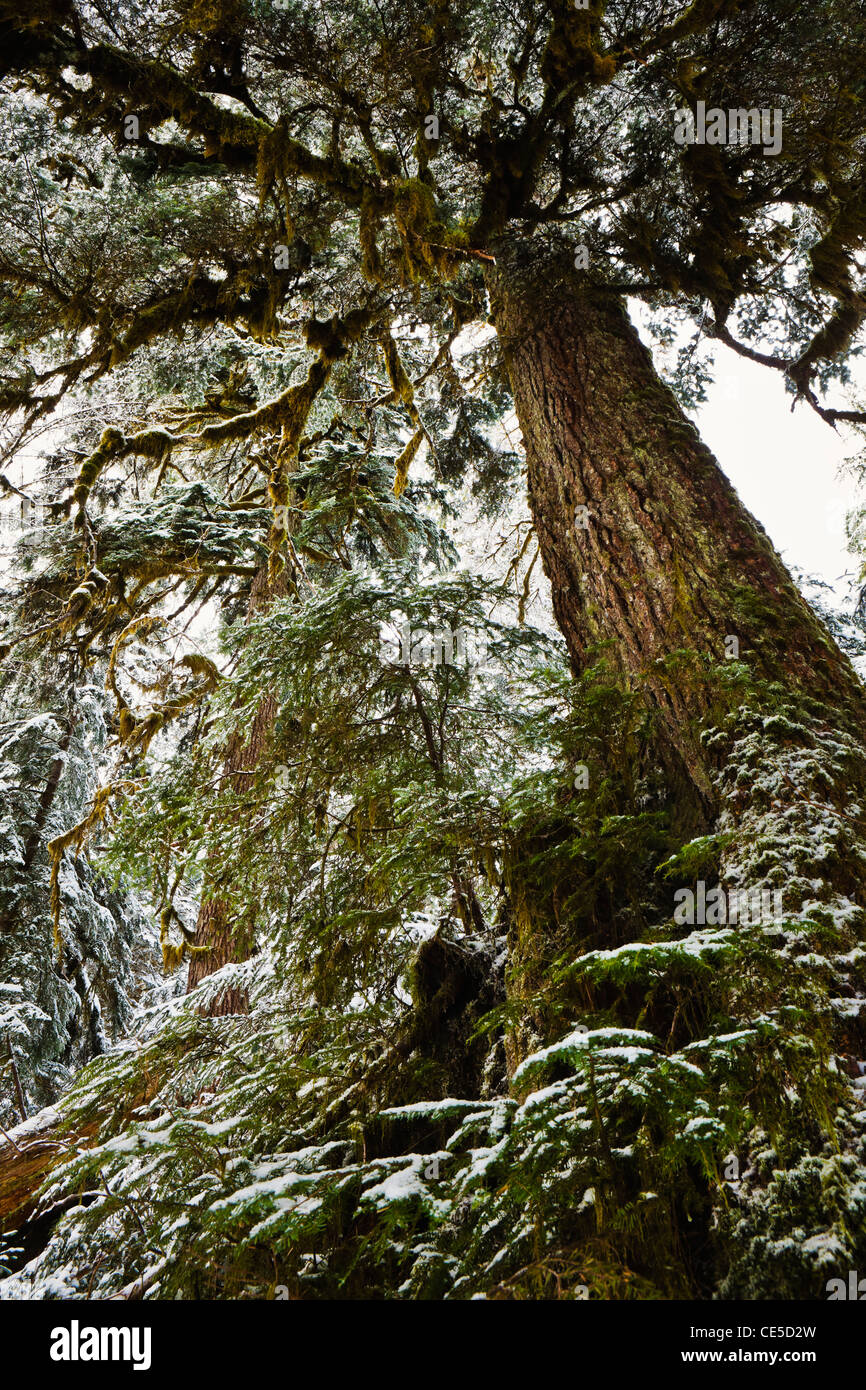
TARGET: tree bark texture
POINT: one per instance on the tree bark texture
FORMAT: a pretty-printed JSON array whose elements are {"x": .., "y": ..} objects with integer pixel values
[
  {"x": 655, "y": 563},
  {"x": 646, "y": 544}
]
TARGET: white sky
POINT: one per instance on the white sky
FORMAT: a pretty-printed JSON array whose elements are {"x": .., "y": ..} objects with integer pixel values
[{"x": 786, "y": 467}]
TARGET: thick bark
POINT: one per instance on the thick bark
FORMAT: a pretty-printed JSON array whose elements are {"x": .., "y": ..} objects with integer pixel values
[
  {"x": 667, "y": 568},
  {"x": 27, "y": 1154},
  {"x": 665, "y": 556}
]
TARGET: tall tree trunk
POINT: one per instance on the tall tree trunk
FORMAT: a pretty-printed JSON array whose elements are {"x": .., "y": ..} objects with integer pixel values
[
  {"x": 645, "y": 542},
  {"x": 652, "y": 557}
]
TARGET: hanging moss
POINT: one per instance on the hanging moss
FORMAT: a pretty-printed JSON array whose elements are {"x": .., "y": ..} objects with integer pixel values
[
  {"x": 174, "y": 953},
  {"x": 429, "y": 246},
  {"x": 404, "y": 461},
  {"x": 372, "y": 211},
  {"x": 572, "y": 55},
  {"x": 280, "y": 157}
]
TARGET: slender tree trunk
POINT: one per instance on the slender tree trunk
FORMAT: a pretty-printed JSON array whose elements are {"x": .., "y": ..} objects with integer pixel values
[
  {"x": 227, "y": 940},
  {"x": 223, "y": 940},
  {"x": 653, "y": 559}
]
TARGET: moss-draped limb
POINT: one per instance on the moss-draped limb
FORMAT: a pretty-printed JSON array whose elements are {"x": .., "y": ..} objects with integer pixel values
[
  {"x": 175, "y": 953},
  {"x": 404, "y": 461},
  {"x": 573, "y": 51},
  {"x": 141, "y": 625},
  {"x": 288, "y": 411},
  {"x": 331, "y": 339},
  {"x": 405, "y": 394},
  {"x": 696, "y": 19},
  {"x": 113, "y": 444},
  {"x": 42, "y": 44},
  {"x": 279, "y": 156}
]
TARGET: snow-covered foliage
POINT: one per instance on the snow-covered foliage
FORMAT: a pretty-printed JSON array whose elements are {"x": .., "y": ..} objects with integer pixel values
[
  {"x": 59, "y": 1008},
  {"x": 689, "y": 1079}
]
